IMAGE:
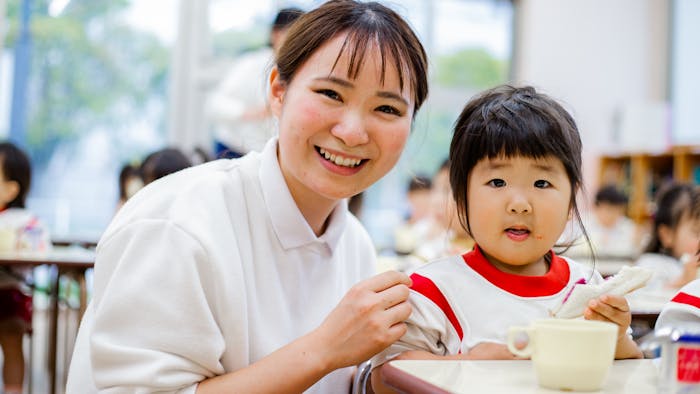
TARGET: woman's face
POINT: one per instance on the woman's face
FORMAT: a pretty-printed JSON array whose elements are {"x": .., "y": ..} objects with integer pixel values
[{"x": 339, "y": 135}]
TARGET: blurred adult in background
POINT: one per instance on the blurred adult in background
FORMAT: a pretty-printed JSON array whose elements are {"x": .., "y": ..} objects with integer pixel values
[
  {"x": 674, "y": 239},
  {"x": 238, "y": 107},
  {"x": 20, "y": 230},
  {"x": 611, "y": 232},
  {"x": 163, "y": 162}
]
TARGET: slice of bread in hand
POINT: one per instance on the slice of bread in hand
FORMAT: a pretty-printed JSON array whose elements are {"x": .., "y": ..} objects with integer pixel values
[{"x": 625, "y": 281}]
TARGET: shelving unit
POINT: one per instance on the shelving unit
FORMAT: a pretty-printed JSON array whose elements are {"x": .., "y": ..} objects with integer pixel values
[{"x": 640, "y": 174}]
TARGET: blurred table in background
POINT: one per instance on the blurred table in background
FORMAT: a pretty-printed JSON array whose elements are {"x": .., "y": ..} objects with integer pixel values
[{"x": 70, "y": 262}]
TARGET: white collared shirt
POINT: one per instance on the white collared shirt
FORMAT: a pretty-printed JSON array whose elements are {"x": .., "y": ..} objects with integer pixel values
[{"x": 207, "y": 271}]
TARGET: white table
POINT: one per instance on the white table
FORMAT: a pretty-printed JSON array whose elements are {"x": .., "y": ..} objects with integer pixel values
[{"x": 505, "y": 377}]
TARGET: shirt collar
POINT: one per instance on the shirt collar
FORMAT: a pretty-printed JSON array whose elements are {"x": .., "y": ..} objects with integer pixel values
[
  {"x": 289, "y": 224},
  {"x": 554, "y": 281}
]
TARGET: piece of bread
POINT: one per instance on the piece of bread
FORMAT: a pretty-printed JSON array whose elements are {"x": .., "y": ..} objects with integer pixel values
[{"x": 625, "y": 281}]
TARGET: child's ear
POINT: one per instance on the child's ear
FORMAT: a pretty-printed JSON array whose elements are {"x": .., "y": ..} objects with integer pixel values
[
  {"x": 8, "y": 192},
  {"x": 276, "y": 92}
]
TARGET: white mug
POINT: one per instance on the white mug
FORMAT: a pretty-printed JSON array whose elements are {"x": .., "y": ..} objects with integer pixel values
[{"x": 568, "y": 354}]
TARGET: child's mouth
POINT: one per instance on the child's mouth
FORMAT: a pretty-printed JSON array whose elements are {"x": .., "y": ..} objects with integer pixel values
[{"x": 517, "y": 234}]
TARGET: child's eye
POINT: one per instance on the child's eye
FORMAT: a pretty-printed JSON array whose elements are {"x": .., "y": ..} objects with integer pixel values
[
  {"x": 497, "y": 183},
  {"x": 542, "y": 184},
  {"x": 329, "y": 93},
  {"x": 388, "y": 109}
]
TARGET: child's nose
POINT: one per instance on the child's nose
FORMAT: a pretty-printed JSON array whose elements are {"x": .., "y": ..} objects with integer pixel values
[
  {"x": 351, "y": 130},
  {"x": 519, "y": 204}
]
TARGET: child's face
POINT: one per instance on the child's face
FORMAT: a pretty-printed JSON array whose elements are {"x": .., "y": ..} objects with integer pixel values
[
  {"x": 8, "y": 191},
  {"x": 518, "y": 208},
  {"x": 684, "y": 240}
]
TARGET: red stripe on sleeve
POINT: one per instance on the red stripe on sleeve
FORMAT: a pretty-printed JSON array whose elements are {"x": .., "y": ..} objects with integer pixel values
[
  {"x": 685, "y": 298},
  {"x": 426, "y": 287}
]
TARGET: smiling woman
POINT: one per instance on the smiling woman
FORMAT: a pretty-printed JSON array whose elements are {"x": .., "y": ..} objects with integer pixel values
[{"x": 259, "y": 255}]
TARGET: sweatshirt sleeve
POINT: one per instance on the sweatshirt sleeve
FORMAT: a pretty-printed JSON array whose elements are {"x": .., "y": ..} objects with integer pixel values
[{"x": 154, "y": 329}]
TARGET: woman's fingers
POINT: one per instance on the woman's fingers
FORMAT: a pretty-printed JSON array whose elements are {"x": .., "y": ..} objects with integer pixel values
[
  {"x": 385, "y": 280},
  {"x": 393, "y": 295}
]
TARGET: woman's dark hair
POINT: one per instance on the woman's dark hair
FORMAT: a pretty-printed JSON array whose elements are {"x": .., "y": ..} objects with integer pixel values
[
  {"x": 16, "y": 167},
  {"x": 365, "y": 25},
  {"x": 509, "y": 121},
  {"x": 674, "y": 201},
  {"x": 163, "y": 162}
]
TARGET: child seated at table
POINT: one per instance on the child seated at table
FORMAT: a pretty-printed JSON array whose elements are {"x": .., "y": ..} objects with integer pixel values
[
  {"x": 515, "y": 170},
  {"x": 683, "y": 311},
  {"x": 20, "y": 230},
  {"x": 675, "y": 233}
]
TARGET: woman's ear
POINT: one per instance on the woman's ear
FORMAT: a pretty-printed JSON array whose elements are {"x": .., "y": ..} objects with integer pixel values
[
  {"x": 8, "y": 192},
  {"x": 276, "y": 92}
]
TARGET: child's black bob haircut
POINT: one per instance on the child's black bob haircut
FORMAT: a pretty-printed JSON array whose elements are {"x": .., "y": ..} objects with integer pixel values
[
  {"x": 509, "y": 121},
  {"x": 16, "y": 167}
]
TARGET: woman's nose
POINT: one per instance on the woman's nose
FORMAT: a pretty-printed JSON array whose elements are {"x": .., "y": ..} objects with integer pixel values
[
  {"x": 351, "y": 130},
  {"x": 519, "y": 204}
]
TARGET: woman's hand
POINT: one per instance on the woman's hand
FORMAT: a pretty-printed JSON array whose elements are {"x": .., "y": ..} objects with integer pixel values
[
  {"x": 615, "y": 309},
  {"x": 368, "y": 319}
]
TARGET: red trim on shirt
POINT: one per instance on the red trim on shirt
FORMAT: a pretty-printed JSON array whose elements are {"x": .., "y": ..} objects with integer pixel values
[
  {"x": 685, "y": 298},
  {"x": 551, "y": 283},
  {"x": 426, "y": 287}
]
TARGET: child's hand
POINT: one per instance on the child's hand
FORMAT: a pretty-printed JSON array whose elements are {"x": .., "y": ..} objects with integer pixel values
[
  {"x": 615, "y": 309},
  {"x": 610, "y": 308}
]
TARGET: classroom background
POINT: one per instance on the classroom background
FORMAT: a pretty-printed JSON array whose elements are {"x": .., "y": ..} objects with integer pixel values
[{"x": 88, "y": 89}]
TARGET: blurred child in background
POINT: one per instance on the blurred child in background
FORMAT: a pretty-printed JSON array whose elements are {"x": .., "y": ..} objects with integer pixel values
[
  {"x": 612, "y": 234},
  {"x": 129, "y": 183},
  {"x": 20, "y": 231},
  {"x": 674, "y": 238},
  {"x": 683, "y": 312},
  {"x": 420, "y": 215},
  {"x": 163, "y": 162},
  {"x": 447, "y": 237}
]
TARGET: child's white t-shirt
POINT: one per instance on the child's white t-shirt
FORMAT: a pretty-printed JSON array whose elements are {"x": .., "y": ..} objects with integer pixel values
[{"x": 461, "y": 301}]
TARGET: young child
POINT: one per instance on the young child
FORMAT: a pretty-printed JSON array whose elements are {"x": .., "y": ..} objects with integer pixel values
[
  {"x": 515, "y": 170},
  {"x": 19, "y": 231},
  {"x": 683, "y": 312},
  {"x": 674, "y": 238}
]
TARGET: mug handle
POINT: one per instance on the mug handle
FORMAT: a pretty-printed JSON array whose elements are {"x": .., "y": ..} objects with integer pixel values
[{"x": 513, "y": 332}]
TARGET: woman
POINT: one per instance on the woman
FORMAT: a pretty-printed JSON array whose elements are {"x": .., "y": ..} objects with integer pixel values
[{"x": 242, "y": 275}]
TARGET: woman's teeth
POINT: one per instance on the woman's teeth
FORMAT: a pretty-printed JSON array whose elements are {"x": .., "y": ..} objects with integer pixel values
[{"x": 340, "y": 160}]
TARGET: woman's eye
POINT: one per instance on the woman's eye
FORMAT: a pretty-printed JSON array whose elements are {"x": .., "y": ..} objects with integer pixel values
[
  {"x": 329, "y": 93},
  {"x": 497, "y": 182},
  {"x": 388, "y": 109},
  {"x": 542, "y": 184}
]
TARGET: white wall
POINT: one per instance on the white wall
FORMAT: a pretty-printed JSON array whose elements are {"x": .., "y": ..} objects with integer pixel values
[{"x": 595, "y": 56}]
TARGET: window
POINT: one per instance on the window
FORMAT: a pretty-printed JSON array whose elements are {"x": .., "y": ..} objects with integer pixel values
[{"x": 95, "y": 99}]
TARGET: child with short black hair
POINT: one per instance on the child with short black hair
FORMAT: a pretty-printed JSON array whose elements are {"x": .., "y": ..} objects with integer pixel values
[
  {"x": 20, "y": 231},
  {"x": 515, "y": 170}
]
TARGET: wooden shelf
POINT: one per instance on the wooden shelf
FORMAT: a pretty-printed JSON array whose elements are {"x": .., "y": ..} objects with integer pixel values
[{"x": 640, "y": 174}]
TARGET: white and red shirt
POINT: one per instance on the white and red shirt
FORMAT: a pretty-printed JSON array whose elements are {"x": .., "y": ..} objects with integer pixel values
[
  {"x": 683, "y": 311},
  {"x": 461, "y": 301}
]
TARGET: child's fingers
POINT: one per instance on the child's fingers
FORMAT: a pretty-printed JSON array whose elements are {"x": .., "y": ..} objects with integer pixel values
[{"x": 616, "y": 302}]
